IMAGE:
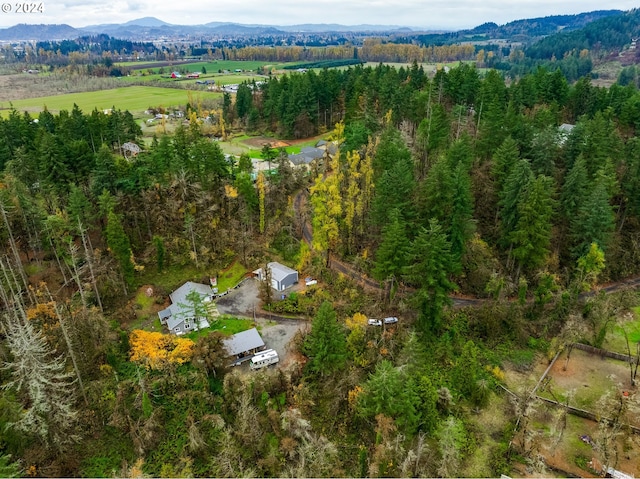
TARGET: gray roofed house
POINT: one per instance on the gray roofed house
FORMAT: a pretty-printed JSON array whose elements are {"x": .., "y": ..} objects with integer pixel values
[
  {"x": 282, "y": 276},
  {"x": 566, "y": 128},
  {"x": 245, "y": 343},
  {"x": 332, "y": 148},
  {"x": 564, "y": 131},
  {"x": 180, "y": 316},
  {"x": 307, "y": 155}
]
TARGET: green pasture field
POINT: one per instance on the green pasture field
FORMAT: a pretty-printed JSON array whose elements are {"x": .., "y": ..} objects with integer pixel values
[
  {"x": 134, "y": 99},
  {"x": 211, "y": 66}
]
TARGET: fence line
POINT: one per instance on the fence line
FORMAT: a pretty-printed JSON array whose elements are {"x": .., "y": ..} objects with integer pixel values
[
  {"x": 584, "y": 413},
  {"x": 605, "y": 353}
]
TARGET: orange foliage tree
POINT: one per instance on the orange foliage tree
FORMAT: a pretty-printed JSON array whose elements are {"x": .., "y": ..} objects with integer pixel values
[{"x": 156, "y": 350}]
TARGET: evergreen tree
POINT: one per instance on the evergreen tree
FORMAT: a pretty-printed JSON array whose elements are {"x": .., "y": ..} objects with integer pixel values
[
  {"x": 388, "y": 392},
  {"x": 630, "y": 183},
  {"x": 42, "y": 380},
  {"x": 544, "y": 151},
  {"x": 51, "y": 164},
  {"x": 158, "y": 243},
  {"x": 435, "y": 193},
  {"x": 120, "y": 247},
  {"x": 575, "y": 189},
  {"x": 105, "y": 175},
  {"x": 9, "y": 468},
  {"x": 326, "y": 344},
  {"x": 244, "y": 101},
  {"x": 514, "y": 187},
  {"x": 431, "y": 137},
  {"x": 79, "y": 207},
  {"x": 430, "y": 265},
  {"x": 427, "y": 404},
  {"x": 594, "y": 222},
  {"x": 391, "y": 256},
  {"x": 461, "y": 225},
  {"x": 504, "y": 159},
  {"x": 531, "y": 238}
]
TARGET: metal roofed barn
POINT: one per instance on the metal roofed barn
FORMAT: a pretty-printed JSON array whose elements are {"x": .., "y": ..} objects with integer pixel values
[{"x": 245, "y": 343}]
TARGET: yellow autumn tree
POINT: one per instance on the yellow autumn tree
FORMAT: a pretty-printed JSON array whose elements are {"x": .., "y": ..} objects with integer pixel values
[
  {"x": 182, "y": 352},
  {"x": 327, "y": 209},
  {"x": 358, "y": 320},
  {"x": 155, "y": 350},
  {"x": 261, "y": 185},
  {"x": 356, "y": 340}
]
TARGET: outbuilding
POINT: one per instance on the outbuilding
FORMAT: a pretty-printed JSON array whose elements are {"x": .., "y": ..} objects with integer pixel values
[
  {"x": 244, "y": 344},
  {"x": 282, "y": 277}
]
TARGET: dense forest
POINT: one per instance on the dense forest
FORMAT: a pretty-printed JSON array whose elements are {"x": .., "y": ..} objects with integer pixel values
[{"x": 454, "y": 183}]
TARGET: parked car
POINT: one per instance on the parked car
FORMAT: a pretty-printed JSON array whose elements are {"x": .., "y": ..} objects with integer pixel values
[
  {"x": 390, "y": 320},
  {"x": 374, "y": 322}
]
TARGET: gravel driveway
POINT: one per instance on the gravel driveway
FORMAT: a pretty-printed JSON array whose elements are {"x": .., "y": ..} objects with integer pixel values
[
  {"x": 241, "y": 301},
  {"x": 276, "y": 332}
]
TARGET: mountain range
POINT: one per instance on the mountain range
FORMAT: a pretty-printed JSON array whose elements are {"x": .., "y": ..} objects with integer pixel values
[{"x": 152, "y": 28}]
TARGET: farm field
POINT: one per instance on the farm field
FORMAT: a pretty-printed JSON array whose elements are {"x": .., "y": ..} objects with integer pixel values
[
  {"x": 134, "y": 99},
  {"x": 211, "y": 66}
]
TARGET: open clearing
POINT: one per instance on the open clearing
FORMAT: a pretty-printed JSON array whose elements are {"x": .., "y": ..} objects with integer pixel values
[
  {"x": 134, "y": 99},
  {"x": 585, "y": 378}
]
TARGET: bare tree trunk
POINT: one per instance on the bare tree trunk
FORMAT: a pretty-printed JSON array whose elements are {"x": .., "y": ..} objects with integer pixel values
[
  {"x": 73, "y": 250},
  {"x": 55, "y": 253},
  {"x": 14, "y": 250},
  {"x": 72, "y": 354},
  {"x": 88, "y": 254}
]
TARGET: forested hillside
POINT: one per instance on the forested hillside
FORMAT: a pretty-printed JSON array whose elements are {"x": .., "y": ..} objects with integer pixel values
[
  {"x": 459, "y": 182},
  {"x": 524, "y": 30},
  {"x": 609, "y": 34}
]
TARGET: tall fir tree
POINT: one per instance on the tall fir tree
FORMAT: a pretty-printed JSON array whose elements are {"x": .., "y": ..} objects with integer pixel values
[
  {"x": 594, "y": 222},
  {"x": 510, "y": 195},
  {"x": 391, "y": 256},
  {"x": 429, "y": 267},
  {"x": 326, "y": 344},
  {"x": 119, "y": 244},
  {"x": 531, "y": 238}
]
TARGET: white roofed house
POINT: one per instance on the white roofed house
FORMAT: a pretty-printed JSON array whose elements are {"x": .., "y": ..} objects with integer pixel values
[
  {"x": 190, "y": 310},
  {"x": 282, "y": 277}
]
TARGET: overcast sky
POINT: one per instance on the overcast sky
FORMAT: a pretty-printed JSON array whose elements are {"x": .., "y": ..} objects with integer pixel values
[{"x": 444, "y": 14}]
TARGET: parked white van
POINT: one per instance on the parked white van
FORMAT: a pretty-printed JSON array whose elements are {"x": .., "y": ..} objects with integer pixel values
[{"x": 264, "y": 358}]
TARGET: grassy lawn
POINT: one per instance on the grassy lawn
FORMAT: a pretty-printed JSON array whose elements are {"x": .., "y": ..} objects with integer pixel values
[
  {"x": 231, "y": 276},
  {"x": 616, "y": 341},
  {"x": 227, "y": 325},
  {"x": 134, "y": 98},
  {"x": 172, "y": 277},
  {"x": 292, "y": 150}
]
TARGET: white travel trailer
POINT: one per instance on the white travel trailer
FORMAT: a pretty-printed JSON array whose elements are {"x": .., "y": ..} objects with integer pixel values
[{"x": 264, "y": 358}]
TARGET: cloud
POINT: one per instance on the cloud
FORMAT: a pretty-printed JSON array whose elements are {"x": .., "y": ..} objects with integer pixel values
[{"x": 451, "y": 14}]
